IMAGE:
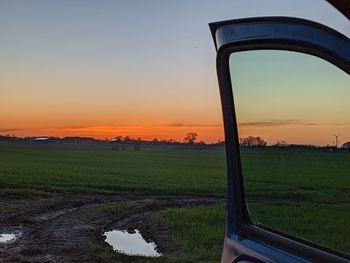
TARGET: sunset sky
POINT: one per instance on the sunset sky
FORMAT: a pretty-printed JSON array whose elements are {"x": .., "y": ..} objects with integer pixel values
[
  {"x": 109, "y": 68},
  {"x": 304, "y": 100}
]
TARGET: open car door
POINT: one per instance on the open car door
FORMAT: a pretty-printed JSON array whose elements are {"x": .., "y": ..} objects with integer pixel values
[{"x": 285, "y": 80}]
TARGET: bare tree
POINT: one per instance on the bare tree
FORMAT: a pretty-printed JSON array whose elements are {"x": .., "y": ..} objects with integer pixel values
[
  {"x": 190, "y": 137},
  {"x": 252, "y": 141},
  {"x": 281, "y": 143}
]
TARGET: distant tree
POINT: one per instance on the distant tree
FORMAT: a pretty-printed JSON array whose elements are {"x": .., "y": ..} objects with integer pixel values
[
  {"x": 168, "y": 141},
  {"x": 281, "y": 143},
  {"x": 252, "y": 141},
  {"x": 202, "y": 142},
  {"x": 261, "y": 141},
  {"x": 127, "y": 138},
  {"x": 155, "y": 140},
  {"x": 190, "y": 137}
]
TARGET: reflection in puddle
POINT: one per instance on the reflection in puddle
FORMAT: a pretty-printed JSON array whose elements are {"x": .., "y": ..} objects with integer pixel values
[
  {"x": 131, "y": 243},
  {"x": 7, "y": 238}
]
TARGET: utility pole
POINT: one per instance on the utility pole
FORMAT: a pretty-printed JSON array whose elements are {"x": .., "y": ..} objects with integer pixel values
[{"x": 336, "y": 140}]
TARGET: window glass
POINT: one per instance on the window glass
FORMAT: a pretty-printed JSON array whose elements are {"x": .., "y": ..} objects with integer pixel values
[{"x": 293, "y": 118}]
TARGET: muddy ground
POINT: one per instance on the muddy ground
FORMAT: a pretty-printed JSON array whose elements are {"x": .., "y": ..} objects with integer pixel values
[{"x": 64, "y": 227}]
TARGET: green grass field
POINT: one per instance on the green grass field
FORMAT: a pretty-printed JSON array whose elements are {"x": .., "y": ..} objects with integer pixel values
[
  {"x": 98, "y": 168},
  {"x": 305, "y": 193}
]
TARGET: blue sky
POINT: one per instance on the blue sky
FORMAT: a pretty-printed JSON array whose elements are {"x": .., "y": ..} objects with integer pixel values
[{"x": 119, "y": 63}]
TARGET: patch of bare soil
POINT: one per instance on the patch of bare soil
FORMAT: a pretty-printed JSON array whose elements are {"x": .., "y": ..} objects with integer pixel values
[{"x": 60, "y": 227}]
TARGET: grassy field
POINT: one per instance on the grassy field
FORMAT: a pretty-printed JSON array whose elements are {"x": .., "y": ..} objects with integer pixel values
[
  {"x": 98, "y": 168},
  {"x": 301, "y": 192},
  {"x": 199, "y": 233}
]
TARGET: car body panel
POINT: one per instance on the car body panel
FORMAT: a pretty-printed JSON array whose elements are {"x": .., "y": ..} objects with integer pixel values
[{"x": 244, "y": 240}]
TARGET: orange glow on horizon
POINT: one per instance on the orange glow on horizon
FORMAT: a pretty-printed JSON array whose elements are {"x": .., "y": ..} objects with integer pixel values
[
  {"x": 209, "y": 133},
  {"x": 316, "y": 134}
]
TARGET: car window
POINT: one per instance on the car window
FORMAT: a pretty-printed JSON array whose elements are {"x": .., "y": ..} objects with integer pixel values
[{"x": 293, "y": 121}]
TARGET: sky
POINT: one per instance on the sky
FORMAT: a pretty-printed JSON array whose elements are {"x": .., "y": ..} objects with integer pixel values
[
  {"x": 115, "y": 68},
  {"x": 295, "y": 97}
]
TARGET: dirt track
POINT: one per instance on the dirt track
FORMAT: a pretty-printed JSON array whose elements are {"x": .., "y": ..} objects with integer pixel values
[{"x": 60, "y": 227}]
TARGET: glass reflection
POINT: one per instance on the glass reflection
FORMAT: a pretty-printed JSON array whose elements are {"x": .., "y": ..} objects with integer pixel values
[{"x": 293, "y": 116}]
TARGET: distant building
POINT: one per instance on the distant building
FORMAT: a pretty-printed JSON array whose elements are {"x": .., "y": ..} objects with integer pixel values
[
  {"x": 346, "y": 145},
  {"x": 116, "y": 140},
  {"x": 43, "y": 139}
]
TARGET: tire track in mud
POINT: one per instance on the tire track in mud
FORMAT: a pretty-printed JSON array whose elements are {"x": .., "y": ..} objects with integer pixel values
[{"x": 60, "y": 228}]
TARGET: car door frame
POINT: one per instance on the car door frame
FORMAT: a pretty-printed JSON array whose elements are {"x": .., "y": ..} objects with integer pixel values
[{"x": 245, "y": 240}]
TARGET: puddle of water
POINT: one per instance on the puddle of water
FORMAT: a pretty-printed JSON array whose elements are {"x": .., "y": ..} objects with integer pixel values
[
  {"x": 7, "y": 238},
  {"x": 132, "y": 244}
]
